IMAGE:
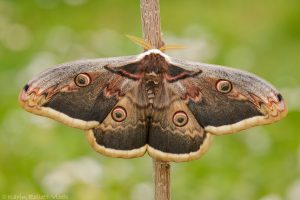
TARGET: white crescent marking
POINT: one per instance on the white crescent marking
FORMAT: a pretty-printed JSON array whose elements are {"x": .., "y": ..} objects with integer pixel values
[
  {"x": 244, "y": 124},
  {"x": 171, "y": 157},
  {"x": 61, "y": 117},
  {"x": 114, "y": 152}
]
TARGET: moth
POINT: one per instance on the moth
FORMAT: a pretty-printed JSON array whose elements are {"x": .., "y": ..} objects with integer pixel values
[{"x": 151, "y": 102}]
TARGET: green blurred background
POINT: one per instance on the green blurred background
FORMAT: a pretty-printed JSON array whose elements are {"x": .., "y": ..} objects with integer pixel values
[{"x": 42, "y": 157}]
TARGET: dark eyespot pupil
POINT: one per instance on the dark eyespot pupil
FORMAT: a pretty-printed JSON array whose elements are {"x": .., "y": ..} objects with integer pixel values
[
  {"x": 225, "y": 87},
  {"x": 118, "y": 115},
  {"x": 81, "y": 80},
  {"x": 180, "y": 120}
]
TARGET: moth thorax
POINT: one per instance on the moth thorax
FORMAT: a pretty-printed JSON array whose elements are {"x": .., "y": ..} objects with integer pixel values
[{"x": 152, "y": 76}]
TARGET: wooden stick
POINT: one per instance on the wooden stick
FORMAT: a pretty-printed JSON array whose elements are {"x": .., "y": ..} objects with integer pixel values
[
  {"x": 151, "y": 22},
  {"x": 150, "y": 15},
  {"x": 161, "y": 174}
]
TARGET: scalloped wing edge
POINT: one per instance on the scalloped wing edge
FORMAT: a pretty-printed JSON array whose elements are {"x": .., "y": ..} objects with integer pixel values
[
  {"x": 60, "y": 117},
  {"x": 152, "y": 152},
  {"x": 244, "y": 124}
]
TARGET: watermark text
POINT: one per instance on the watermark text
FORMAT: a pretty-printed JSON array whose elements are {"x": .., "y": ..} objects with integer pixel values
[{"x": 34, "y": 197}]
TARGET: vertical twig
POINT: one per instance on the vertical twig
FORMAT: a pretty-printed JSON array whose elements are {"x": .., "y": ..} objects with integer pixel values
[
  {"x": 161, "y": 175},
  {"x": 150, "y": 15},
  {"x": 151, "y": 22}
]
